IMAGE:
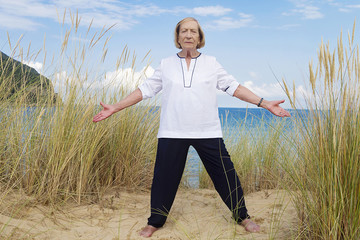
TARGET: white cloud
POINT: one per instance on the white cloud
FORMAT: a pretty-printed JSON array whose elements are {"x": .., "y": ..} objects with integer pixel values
[
  {"x": 127, "y": 78},
  {"x": 17, "y": 22},
  {"x": 211, "y": 11},
  {"x": 36, "y": 65},
  {"x": 344, "y": 6},
  {"x": 26, "y": 14},
  {"x": 226, "y": 23},
  {"x": 110, "y": 82},
  {"x": 147, "y": 10},
  {"x": 266, "y": 90},
  {"x": 100, "y": 20},
  {"x": 23, "y": 14},
  {"x": 305, "y": 93},
  {"x": 349, "y": 8},
  {"x": 310, "y": 12},
  {"x": 353, "y": 6},
  {"x": 305, "y": 9},
  {"x": 289, "y": 26},
  {"x": 275, "y": 92},
  {"x": 28, "y": 8},
  {"x": 344, "y": 10},
  {"x": 254, "y": 75},
  {"x": 333, "y": 2},
  {"x": 60, "y": 82}
]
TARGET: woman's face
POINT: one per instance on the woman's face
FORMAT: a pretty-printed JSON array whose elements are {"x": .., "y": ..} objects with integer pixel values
[{"x": 189, "y": 36}]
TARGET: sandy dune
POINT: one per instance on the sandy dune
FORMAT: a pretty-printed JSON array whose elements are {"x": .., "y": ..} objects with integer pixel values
[{"x": 196, "y": 214}]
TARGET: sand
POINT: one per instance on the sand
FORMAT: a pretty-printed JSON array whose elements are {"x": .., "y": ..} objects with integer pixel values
[{"x": 196, "y": 214}]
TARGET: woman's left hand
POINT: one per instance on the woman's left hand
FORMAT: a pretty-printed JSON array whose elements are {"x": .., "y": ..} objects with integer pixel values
[{"x": 274, "y": 108}]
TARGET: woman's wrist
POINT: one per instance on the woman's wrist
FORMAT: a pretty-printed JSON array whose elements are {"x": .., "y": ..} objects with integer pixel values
[
  {"x": 263, "y": 103},
  {"x": 118, "y": 107}
]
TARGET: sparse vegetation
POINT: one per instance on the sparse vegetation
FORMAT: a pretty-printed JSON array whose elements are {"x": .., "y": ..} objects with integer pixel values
[
  {"x": 52, "y": 152},
  {"x": 326, "y": 168}
]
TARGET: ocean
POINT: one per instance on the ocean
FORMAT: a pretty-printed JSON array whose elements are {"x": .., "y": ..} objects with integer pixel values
[{"x": 231, "y": 120}]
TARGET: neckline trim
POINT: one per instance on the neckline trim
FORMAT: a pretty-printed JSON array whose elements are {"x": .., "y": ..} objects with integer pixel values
[
  {"x": 187, "y": 83},
  {"x": 191, "y": 58}
]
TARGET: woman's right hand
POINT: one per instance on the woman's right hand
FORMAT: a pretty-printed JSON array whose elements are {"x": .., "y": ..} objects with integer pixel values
[{"x": 105, "y": 113}]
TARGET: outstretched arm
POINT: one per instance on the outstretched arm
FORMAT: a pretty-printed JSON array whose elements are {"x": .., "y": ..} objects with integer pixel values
[
  {"x": 246, "y": 95},
  {"x": 109, "y": 110}
]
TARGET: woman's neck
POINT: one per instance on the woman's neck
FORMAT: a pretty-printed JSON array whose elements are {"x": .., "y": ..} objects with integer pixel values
[{"x": 189, "y": 53}]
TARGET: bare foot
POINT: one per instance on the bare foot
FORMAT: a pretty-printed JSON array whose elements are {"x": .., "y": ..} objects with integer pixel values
[
  {"x": 148, "y": 231},
  {"x": 250, "y": 226}
]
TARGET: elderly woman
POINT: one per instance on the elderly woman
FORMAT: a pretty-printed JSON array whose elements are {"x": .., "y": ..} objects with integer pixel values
[{"x": 189, "y": 81}]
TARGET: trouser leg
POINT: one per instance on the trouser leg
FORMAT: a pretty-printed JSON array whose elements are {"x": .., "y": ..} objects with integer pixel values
[
  {"x": 169, "y": 167},
  {"x": 221, "y": 170}
]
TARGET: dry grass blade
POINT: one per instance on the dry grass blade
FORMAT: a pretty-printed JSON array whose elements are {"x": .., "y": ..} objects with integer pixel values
[
  {"x": 55, "y": 149},
  {"x": 326, "y": 169}
]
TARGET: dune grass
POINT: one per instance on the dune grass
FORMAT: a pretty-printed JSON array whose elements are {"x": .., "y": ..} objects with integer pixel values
[
  {"x": 53, "y": 150},
  {"x": 327, "y": 167},
  {"x": 318, "y": 160},
  {"x": 258, "y": 149}
]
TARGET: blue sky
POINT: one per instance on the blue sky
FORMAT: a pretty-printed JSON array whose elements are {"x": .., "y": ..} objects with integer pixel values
[{"x": 248, "y": 37}]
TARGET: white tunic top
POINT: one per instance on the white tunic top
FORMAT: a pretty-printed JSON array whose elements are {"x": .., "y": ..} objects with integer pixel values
[{"x": 189, "y": 106}]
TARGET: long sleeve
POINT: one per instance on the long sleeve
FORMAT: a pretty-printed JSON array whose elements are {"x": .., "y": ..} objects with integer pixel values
[
  {"x": 225, "y": 81},
  {"x": 152, "y": 85}
]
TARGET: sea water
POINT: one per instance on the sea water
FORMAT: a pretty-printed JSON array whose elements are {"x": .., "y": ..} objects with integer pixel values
[{"x": 231, "y": 120}]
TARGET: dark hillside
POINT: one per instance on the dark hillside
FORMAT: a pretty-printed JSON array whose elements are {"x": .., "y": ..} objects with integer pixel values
[{"x": 18, "y": 79}]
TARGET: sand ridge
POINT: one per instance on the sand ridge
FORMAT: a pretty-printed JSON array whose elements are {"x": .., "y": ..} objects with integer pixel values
[{"x": 196, "y": 214}]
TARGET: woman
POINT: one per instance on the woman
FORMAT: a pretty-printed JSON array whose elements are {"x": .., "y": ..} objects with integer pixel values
[{"x": 189, "y": 117}]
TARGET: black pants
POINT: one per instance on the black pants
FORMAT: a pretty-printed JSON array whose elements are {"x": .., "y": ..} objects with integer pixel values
[{"x": 169, "y": 167}]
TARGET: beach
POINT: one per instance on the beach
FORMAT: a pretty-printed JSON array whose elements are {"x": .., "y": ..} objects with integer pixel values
[
  {"x": 55, "y": 163},
  {"x": 120, "y": 214}
]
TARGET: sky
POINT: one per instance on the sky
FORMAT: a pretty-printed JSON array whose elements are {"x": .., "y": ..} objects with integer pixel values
[{"x": 259, "y": 42}]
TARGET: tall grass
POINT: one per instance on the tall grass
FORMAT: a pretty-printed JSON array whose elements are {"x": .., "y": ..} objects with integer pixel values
[
  {"x": 53, "y": 150},
  {"x": 326, "y": 170},
  {"x": 258, "y": 149}
]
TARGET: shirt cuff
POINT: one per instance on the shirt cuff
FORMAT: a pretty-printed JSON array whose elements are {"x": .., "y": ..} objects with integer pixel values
[
  {"x": 231, "y": 89},
  {"x": 145, "y": 94}
]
